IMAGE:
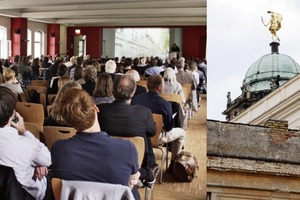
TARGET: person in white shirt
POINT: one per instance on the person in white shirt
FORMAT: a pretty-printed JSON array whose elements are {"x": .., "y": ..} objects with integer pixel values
[{"x": 20, "y": 150}]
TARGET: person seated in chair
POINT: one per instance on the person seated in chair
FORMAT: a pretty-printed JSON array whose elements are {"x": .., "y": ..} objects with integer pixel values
[
  {"x": 92, "y": 155},
  {"x": 158, "y": 105},
  {"x": 122, "y": 119},
  {"x": 20, "y": 150}
]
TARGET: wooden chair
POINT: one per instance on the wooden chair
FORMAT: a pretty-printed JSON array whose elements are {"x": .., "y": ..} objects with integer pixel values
[
  {"x": 54, "y": 133},
  {"x": 139, "y": 144},
  {"x": 140, "y": 147},
  {"x": 187, "y": 89},
  {"x": 51, "y": 98},
  {"x": 154, "y": 140},
  {"x": 39, "y": 89},
  {"x": 56, "y": 187},
  {"x": 32, "y": 112},
  {"x": 172, "y": 97},
  {"x": 44, "y": 83},
  {"x": 23, "y": 97},
  {"x": 33, "y": 128},
  {"x": 42, "y": 91},
  {"x": 143, "y": 83},
  {"x": 100, "y": 190}
]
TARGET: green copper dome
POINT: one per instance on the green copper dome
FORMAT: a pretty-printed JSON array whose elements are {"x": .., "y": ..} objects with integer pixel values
[{"x": 268, "y": 67}]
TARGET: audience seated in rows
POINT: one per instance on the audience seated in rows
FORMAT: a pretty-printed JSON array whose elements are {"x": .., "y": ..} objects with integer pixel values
[
  {"x": 91, "y": 155},
  {"x": 20, "y": 150},
  {"x": 103, "y": 92},
  {"x": 153, "y": 68},
  {"x": 158, "y": 105}
]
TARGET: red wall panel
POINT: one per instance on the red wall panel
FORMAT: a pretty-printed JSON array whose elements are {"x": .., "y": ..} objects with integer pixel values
[
  {"x": 53, "y": 39},
  {"x": 194, "y": 41},
  {"x": 93, "y": 40},
  {"x": 19, "y": 36}
]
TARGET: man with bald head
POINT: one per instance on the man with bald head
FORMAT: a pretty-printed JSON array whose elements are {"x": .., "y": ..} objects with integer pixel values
[{"x": 120, "y": 118}]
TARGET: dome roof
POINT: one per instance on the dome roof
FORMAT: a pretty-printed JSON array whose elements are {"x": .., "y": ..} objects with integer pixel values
[{"x": 268, "y": 67}]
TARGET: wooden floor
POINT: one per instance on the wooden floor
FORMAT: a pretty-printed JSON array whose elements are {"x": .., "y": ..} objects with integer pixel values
[{"x": 195, "y": 143}]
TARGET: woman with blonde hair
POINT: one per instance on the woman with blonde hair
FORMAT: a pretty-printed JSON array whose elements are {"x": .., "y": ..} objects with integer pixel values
[
  {"x": 171, "y": 86},
  {"x": 11, "y": 81},
  {"x": 54, "y": 118}
]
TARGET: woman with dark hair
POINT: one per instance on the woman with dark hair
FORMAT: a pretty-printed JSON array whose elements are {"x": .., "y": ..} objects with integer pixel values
[
  {"x": 62, "y": 71},
  {"x": 90, "y": 78},
  {"x": 36, "y": 69},
  {"x": 78, "y": 75},
  {"x": 103, "y": 92}
]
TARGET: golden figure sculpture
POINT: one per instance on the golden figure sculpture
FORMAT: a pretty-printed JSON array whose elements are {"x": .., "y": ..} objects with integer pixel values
[{"x": 274, "y": 24}]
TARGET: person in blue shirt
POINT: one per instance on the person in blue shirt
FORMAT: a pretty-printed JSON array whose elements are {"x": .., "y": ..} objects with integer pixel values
[{"x": 158, "y": 105}]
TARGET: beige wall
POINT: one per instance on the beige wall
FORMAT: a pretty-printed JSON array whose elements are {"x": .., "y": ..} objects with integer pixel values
[
  {"x": 38, "y": 26},
  {"x": 5, "y": 21},
  {"x": 63, "y": 40}
]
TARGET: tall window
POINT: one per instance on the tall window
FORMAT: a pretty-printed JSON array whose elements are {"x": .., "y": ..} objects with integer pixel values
[
  {"x": 38, "y": 44},
  {"x": 5, "y": 45},
  {"x": 29, "y": 43}
]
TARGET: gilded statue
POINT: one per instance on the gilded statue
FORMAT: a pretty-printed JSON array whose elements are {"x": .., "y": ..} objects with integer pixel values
[{"x": 274, "y": 24}]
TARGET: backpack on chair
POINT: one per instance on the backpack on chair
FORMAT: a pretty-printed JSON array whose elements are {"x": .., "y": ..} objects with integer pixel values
[{"x": 185, "y": 166}]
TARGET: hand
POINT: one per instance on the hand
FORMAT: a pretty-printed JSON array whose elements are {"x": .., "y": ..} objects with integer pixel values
[
  {"x": 134, "y": 178},
  {"x": 40, "y": 172},
  {"x": 20, "y": 126}
]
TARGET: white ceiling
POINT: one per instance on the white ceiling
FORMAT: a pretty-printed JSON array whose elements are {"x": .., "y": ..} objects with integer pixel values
[{"x": 109, "y": 12}]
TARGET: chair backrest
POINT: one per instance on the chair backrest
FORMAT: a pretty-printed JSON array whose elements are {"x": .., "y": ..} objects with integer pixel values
[
  {"x": 42, "y": 90},
  {"x": 33, "y": 128},
  {"x": 188, "y": 88},
  {"x": 172, "y": 97},
  {"x": 51, "y": 98},
  {"x": 56, "y": 187},
  {"x": 139, "y": 145},
  {"x": 39, "y": 89},
  {"x": 159, "y": 126},
  {"x": 54, "y": 133},
  {"x": 80, "y": 189},
  {"x": 143, "y": 83},
  {"x": 31, "y": 112},
  {"x": 44, "y": 83},
  {"x": 23, "y": 96}
]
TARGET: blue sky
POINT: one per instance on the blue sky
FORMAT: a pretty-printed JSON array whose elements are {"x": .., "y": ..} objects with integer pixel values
[{"x": 236, "y": 38}]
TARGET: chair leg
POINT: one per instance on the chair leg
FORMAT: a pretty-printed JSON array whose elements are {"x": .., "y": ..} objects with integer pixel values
[
  {"x": 167, "y": 158},
  {"x": 161, "y": 164}
]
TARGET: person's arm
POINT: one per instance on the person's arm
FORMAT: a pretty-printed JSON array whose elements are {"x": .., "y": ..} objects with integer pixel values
[
  {"x": 134, "y": 178},
  {"x": 41, "y": 155},
  {"x": 167, "y": 116}
]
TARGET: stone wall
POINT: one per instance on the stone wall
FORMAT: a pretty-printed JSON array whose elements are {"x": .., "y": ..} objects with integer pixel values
[{"x": 253, "y": 142}]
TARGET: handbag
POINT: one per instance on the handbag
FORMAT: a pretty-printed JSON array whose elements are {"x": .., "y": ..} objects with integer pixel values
[{"x": 185, "y": 166}]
